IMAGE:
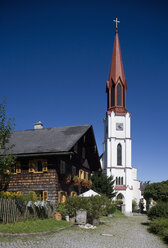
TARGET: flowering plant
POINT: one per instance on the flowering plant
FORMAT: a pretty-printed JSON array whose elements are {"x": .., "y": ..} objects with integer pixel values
[
  {"x": 77, "y": 180},
  {"x": 68, "y": 179},
  {"x": 86, "y": 183}
]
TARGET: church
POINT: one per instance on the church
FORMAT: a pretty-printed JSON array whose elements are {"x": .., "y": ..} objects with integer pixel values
[{"x": 116, "y": 158}]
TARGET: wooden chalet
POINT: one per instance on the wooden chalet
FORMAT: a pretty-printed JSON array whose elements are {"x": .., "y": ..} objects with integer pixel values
[{"x": 47, "y": 158}]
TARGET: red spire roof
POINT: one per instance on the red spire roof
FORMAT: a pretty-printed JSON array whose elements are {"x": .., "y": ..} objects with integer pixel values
[{"x": 116, "y": 69}]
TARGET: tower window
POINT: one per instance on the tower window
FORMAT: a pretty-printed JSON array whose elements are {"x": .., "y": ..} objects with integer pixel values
[
  {"x": 119, "y": 95},
  {"x": 112, "y": 96},
  {"x": 124, "y": 96},
  {"x": 119, "y": 154},
  {"x": 107, "y": 99},
  {"x": 119, "y": 181}
]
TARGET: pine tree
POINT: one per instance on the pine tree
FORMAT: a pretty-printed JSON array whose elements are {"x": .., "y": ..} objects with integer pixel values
[
  {"x": 103, "y": 184},
  {"x": 7, "y": 160}
]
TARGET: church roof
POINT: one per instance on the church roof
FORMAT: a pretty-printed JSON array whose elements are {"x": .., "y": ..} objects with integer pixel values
[
  {"x": 116, "y": 69},
  {"x": 46, "y": 140}
]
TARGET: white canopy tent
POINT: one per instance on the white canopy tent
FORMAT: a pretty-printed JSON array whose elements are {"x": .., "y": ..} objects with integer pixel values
[{"x": 89, "y": 193}]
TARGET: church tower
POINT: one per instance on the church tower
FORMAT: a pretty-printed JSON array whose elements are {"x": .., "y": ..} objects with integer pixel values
[{"x": 116, "y": 160}]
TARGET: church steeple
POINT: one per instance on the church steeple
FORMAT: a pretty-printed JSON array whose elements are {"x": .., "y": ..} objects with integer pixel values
[{"x": 116, "y": 85}]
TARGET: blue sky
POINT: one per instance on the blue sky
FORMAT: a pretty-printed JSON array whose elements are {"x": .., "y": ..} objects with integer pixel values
[{"x": 55, "y": 59}]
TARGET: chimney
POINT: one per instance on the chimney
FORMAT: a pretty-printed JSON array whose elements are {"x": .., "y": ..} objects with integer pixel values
[{"x": 38, "y": 125}]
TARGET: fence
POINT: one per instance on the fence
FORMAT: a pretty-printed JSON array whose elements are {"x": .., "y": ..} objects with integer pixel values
[
  {"x": 12, "y": 211},
  {"x": 8, "y": 211}
]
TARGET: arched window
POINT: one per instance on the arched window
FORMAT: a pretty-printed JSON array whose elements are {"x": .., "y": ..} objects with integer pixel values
[
  {"x": 119, "y": 94},
  {"x": 108, "y": 100},
  {"x": 119, "y": 154},
  {"x": 121, "y": 180},
  {"x": 116, "y": 180},
  {"x": 124, "y": 96},
  {"x": 112, "y": 96}
]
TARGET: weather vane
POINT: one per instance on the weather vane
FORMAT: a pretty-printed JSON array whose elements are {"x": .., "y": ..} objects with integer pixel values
[{"x": 116, "y": 21}]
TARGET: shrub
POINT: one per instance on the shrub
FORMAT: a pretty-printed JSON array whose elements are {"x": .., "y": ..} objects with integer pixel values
[
  {"x": 118, "y": 204},
  {"x": 158, "y": 226},
  {"x": 158, "y": 211},
  {"x": 134, "y": 206},
  {"x": 61, "y": 208},
  {"x": 95, "y": 206},
  {"x": 165, "y": 234}
]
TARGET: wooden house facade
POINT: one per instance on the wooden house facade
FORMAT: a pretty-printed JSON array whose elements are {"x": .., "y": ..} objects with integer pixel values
[{"x": 48, "y": 159}]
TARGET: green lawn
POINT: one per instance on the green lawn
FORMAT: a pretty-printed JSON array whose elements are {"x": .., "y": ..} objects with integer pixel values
[{"x": 33, "y": 226}]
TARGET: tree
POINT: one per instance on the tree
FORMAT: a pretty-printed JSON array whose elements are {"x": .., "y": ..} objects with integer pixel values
[
  {"x": 103, "y": 184},
  {"x": 7, "y": 160},
  {"x": 157, "y": 191}
]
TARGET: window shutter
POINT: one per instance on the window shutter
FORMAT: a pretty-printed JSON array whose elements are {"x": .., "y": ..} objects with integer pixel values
[
  {"x": 80, "y": 174},
  {"x": 73, "y": 193},
  {"x": 6, "y": 171},
  {"x": 87, "y": 176},
  {"x": 64, "y": 197},
  {"x": 45, "y": 195},
  {"x": 59, "y": 196}
]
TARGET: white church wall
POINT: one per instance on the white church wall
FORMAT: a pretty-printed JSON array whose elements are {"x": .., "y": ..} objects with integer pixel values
[
  {"x": 128, "y": 125},
  {"x": 134, "y": 173},
  {"x": 128, "y": 152}
]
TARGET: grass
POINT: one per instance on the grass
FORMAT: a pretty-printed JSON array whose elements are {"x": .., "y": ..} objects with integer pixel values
[
  {"x": 33, "y": 226},
  {"x": 118, "y": 212}
]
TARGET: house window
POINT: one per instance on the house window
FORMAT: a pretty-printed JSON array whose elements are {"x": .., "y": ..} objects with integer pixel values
[
  {"x": 83, "y": 152},
  {"x": 81, "y": 174},
  {"x": 38, "y": 166},
  {"x": 119, "y": 154},
  {"x": 119, "y": 94},
  {"x": 73, "y": 193},
  {"x": 42, "y": 195},
  {"x": 73, "y": 170},
  {"x": 17, "y": 168},
  {"x": 62, "y": 167},
  {"x": 45, "y": 195},
  {"x": 62, "y": 195}
]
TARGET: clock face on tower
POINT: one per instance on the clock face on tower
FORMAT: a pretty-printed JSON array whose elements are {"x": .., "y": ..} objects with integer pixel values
[{"x": 119, "y": 126}]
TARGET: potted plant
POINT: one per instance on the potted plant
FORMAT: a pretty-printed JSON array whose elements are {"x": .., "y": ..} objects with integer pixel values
[{"x": 60, "y": 211}]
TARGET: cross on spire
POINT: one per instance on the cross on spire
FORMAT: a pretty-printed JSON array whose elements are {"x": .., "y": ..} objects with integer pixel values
[{"x": 116, "y": 21}]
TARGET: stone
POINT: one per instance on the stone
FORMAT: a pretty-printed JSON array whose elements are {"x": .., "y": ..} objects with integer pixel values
[{"x": 81, "y": 217}]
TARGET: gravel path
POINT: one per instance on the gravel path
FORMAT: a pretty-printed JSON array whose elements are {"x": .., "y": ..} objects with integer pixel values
[{"x": 118, "y": 232}]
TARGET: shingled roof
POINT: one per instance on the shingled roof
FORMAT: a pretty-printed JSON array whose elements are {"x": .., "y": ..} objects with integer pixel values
[{"x": 47, "y": 140}]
